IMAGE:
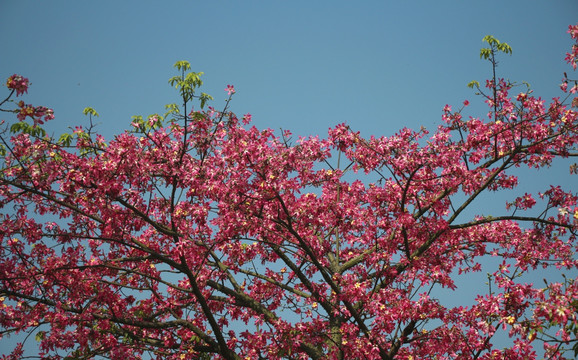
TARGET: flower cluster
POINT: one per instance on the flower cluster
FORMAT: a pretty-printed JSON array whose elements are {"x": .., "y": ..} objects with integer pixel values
[
  {"x": 18, "y": 83},
  {"x": 208, "y": 238},
  {"x": 39, "y": 114},
  {"x": 572, "y": 56}
]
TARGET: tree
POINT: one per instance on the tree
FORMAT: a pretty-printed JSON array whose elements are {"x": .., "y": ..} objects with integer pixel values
[{"x": 195, "y": 236}]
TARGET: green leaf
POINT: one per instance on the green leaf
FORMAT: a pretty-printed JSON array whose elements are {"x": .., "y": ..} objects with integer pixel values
[
  {"x": 503, "y": 47},
  {"x": 82, "y": 135},
  {"x": 25, "y": 128},
  {"x": 90, "y": 111},
  {"x": 175, "y": 79},
  {"x": 171, "y": 109},
  {"x": 204, "y": 98},
  {"x": 485, "y": 53},
  {"x": 37, "y": 131},
  {"x": 473, "y": 83},
  {"x": 194, "y": 79},
  {"x": 491, "y": 40},
  {"x": 495, "y": 45},
  {"x": 182, "y": 65},
  {"x": 18, "y": 127},
  {"x": 40, "y": 336},
  {"x": 65, "y": 139}
]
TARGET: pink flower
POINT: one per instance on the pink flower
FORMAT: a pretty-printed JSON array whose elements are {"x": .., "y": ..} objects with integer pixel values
[
  {"x": 37, "y": 113},
  {"x": 572, "y": 56},
  {"x": 466, "y": 103},
  {"x": 230, "y": 89},
  {"x": 18, "y": 83},
  {"x": 573, "y": 31},
  {"x": 153, "y": 120}
]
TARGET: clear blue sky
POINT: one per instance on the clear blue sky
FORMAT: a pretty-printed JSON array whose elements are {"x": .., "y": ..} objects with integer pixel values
[{"x": 298, "y": 65}]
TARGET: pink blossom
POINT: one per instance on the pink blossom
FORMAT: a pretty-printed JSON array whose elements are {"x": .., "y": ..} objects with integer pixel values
[
  {"x": 153, "y": 120},
  {"x": 230, "y": 89},
  {"x": 39, "y": 114},
  {"x": 213, "y": 237},
  {"x": 572, "y": 56},
  {"x": 18, "y": 83}
]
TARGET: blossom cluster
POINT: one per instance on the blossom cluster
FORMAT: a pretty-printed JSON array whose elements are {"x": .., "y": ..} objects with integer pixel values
[
  {"x": 200, "y": 236},
  {"x": 572, "y": 56},
  {"x": 18, "y": 83},
  {"x": 39, "y": 114}
]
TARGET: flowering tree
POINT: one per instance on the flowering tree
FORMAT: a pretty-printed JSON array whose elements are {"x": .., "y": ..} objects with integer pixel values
[{"x": 195, "y": 236}]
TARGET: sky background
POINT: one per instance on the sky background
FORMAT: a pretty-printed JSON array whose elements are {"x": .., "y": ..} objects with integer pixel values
[{"x": 299, "y": 65}]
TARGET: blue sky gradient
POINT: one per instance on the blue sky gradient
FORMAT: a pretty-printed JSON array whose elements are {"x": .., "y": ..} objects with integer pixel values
[{"x": 299, "y": 65}]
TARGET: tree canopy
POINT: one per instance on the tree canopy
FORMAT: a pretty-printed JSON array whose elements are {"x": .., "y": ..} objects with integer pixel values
[{"x": 193, "y": 235}]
